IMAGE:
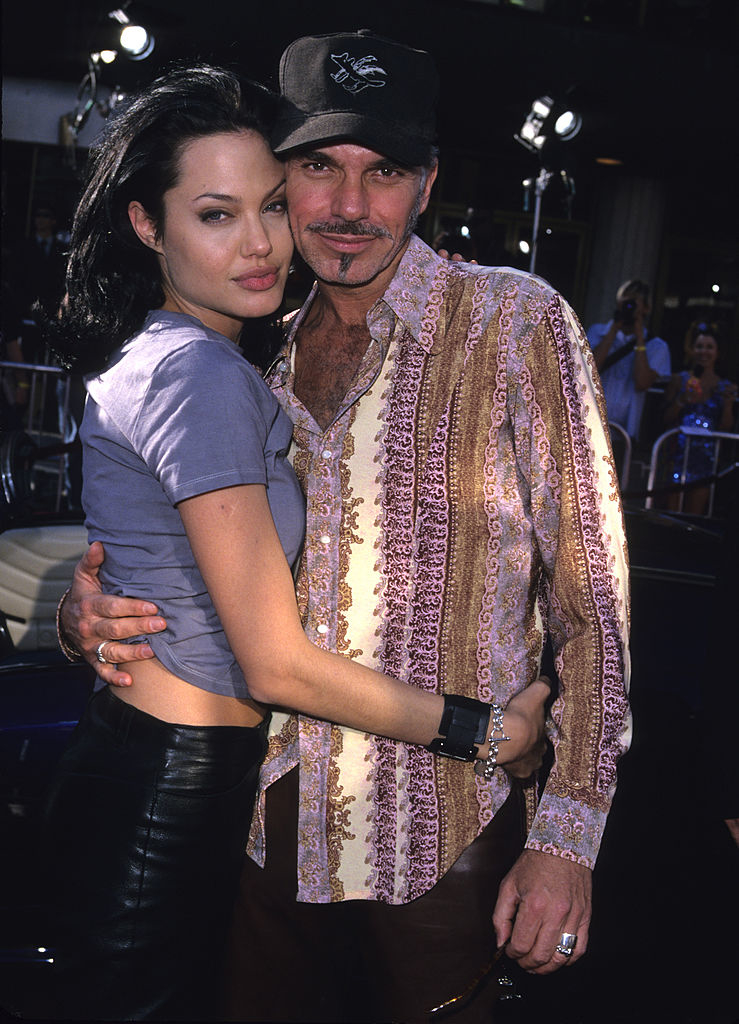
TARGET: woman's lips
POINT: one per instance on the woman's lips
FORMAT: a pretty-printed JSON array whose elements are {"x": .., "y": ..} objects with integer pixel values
[{"x": 258, "y": 280}]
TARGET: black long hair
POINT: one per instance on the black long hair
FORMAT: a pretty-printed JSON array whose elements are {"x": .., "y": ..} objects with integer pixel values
[{"x": 113, "y": 279}]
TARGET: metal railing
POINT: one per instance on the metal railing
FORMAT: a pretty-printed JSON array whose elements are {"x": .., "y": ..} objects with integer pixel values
[
  {"x": 625, "y": 470},
  {"x": 41, "y": 376},
  {"x": 717, "y": 436}
]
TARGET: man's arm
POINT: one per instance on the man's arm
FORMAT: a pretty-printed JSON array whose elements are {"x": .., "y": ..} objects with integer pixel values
[
  {"x": 644, "y": 375},
  {"x": 87, "y": 616},
  {"x": 602, "y": 347},
  {"x": 579, "y": 531}
]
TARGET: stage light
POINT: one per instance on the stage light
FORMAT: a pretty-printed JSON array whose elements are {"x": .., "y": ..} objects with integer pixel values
[
  {"x": 567, "y": 125},
  {"x": 106, "y": 56},
  {"x": 548, "y": 121},
  {"x": 530, "y": 134},
  {"x": 136, "y": 41}
]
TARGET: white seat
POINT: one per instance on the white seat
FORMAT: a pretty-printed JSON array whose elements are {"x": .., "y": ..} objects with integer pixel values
[{"x": 36, "y": 566}]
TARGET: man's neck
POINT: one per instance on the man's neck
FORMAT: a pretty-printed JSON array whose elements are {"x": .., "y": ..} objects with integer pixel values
[
  {"x": 329, "y": 347},
  {"x": 332, "y": 340}
]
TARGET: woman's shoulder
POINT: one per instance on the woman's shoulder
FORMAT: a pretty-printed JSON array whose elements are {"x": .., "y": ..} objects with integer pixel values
[
  {"x": 175, "y": 355},
  {"x": 178, "y": 344}
]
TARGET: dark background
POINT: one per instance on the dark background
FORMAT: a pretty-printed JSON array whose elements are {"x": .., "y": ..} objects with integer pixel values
[
  {"x": 655, "y": 80},
  {"x": 656, "y": 83}
]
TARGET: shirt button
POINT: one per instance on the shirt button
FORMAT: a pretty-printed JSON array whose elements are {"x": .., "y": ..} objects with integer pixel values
[
  {"x": 322, "y": 629},
  {"x": 325, "y": 539},
  {"x": 326, "y": 454}
]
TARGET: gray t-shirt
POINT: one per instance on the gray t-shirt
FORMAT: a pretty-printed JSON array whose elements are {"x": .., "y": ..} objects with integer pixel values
[{"x": 178, "y": 413}]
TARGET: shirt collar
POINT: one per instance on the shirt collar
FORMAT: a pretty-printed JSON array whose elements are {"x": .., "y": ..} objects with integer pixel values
[
  {"x": 408, "y": 293},
  {"x": 406, "y": 299}
]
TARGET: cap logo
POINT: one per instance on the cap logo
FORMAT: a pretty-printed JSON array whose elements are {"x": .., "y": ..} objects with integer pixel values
[{"x": 356, "y": 73}]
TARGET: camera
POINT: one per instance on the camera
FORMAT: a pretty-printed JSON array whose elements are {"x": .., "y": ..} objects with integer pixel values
[{"x": 626, "y": 312}]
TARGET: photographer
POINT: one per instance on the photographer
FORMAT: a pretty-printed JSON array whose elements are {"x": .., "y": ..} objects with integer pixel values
[{"x": 628, "y": 360}]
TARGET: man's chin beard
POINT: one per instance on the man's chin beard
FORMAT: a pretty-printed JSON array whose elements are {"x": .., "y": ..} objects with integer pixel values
[{"x": 347, "y": 260}]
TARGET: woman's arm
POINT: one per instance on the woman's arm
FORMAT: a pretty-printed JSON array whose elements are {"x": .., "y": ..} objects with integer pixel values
[
  {"x": 726, "y": 421},
  {"x": 238, "y": 552},
  {"x": 673, "y": 404}
]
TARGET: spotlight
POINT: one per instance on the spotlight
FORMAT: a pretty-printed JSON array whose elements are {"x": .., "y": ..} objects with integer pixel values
[
  {"x": 106, "y": 56},
  {"x": 567, "y": 125},
  {"x": 136, "y": 41},
  {"x": 546, "y": 122},
  {"x": 531, "y": 135}
]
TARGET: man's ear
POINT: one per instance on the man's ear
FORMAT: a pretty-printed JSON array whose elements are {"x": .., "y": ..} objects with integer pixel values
[
  {"x": 144, "y": 226},
  {"x": 427, "y": 186}
]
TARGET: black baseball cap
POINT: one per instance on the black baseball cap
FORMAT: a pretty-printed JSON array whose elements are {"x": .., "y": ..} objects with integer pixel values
[{"x": 360, "y": 87}]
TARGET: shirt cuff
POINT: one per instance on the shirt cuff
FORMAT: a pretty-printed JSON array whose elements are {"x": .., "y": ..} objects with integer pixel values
[{"x": 567, "y": 828}]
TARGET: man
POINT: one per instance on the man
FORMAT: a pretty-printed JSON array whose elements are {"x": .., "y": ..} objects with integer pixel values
[
  {"x": 461, "y": 502},
  {"x": 629, "y": 361}
]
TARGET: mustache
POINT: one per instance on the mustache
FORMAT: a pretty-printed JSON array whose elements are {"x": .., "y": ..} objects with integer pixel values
[{"x": 348, "y": 227}]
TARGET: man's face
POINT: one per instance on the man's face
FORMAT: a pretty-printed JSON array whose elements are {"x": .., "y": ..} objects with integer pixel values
[{"x": 352, "y": 211}]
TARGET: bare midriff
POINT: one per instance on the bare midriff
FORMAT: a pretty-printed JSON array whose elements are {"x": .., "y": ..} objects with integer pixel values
[{"x": 158, "y": 692}]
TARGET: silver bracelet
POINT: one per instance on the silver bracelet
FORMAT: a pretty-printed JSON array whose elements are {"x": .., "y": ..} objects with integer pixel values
[
  {"x": 487, "y": 767},
  {"x": 68, "y": 650}
]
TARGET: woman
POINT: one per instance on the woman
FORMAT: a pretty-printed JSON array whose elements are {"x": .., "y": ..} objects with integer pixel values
[
  {"x": 698, "y": 398},
  {"x": 180, "y": 238}
]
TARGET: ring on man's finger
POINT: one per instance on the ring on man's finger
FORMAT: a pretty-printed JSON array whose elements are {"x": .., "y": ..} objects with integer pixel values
[
  {"x": 567, "y": 943},
  {"x": 100, "y": 656}
]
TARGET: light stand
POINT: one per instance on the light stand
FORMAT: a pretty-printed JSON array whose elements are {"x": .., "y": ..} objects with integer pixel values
[
  {"x": 546, "y": 123},
  {"x": 542, "y": 180}
]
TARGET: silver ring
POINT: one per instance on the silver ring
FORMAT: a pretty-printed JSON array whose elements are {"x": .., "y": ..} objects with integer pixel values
[
  {"x": 567, "y": 943},
  {"x": 101, "y": 657}
]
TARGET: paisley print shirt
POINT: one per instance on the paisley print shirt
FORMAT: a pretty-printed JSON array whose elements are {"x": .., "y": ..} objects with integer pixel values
[{"x": 462, "y": 503}]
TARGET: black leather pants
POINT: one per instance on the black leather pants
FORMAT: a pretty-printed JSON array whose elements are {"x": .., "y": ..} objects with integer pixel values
[{"x": 146, "y": 825}]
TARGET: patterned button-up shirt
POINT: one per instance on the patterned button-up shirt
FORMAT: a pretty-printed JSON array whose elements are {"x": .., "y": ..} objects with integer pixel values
[{"x": 462, "y": 503}]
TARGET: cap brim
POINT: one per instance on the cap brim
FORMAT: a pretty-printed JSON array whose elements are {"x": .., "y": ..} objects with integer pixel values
[{"x": 383, "y": 137}]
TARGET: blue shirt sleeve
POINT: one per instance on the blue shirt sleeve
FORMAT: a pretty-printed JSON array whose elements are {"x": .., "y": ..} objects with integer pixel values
[{"x": 658, "y": 357}]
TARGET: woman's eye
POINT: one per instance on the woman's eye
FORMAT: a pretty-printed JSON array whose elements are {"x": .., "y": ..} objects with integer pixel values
[
  {"x": 213, "y": 216},
  {"x": 276, "y": 206}
]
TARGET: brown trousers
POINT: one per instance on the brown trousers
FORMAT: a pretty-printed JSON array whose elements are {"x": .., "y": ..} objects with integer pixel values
[{"x": 360, "y": 960}]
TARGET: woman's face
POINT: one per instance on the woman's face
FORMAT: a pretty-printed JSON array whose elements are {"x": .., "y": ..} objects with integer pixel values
[
  {"x": 705, "y": 350},
  {"x": 224, "y": 245}
]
